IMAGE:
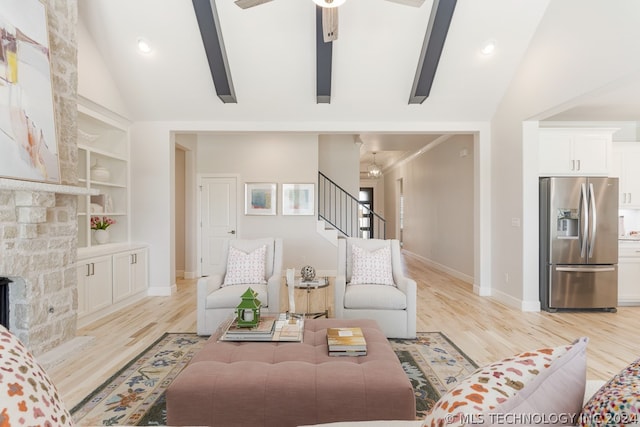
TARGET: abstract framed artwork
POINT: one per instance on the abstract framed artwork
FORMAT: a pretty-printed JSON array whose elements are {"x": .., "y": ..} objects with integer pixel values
[
  {"x": 28, "y": 138},
  {"x": 298, "y": 199},
  {"x": 260, "y": 198}
]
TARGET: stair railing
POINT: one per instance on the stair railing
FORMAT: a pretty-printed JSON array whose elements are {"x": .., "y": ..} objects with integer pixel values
[{"x": 346, "y": 213}]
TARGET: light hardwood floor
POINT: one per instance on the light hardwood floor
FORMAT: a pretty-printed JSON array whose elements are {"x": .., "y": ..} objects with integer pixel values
[{"x": 483, "y": 328}]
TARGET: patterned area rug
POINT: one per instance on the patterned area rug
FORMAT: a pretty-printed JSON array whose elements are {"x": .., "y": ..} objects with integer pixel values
[
  {"x": 135, "y": 395},
  {"x": 434, "y": 364}
]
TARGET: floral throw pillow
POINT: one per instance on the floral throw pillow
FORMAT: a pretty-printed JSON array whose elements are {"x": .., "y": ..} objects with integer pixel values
[
  {"x": 541, "y": 387},
  {"x": 617, "y": 402},
  {"x": 371, "y": 267},
  {"x": 245, "y": 268},
  {"x": 27, "y": 396}
]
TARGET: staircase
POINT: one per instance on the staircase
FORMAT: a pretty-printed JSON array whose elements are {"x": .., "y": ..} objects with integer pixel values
[{"x": 340, "y": 214}]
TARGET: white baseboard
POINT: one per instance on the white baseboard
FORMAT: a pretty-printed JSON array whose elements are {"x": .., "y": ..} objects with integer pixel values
[
  {"x": 482, "y": 292},
  {"x": 162, "y": 291},
  {"x": 518, "y": 303},
  {"x": 190, "y": 275},
  {"x": 628, "y": 302},
  {"x": 440, "y": 267},
  {"x": 179, "y": 273}
]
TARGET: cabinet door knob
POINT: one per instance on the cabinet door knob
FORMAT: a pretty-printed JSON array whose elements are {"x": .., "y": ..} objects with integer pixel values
[{"x": 232, "y": 232}]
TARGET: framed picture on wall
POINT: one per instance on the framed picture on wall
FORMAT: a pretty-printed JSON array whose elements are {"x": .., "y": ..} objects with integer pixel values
[
  {"x": 260, "y": 198},
  {"x": 28, "y": 138},
  {"x": 298, "y": 199}
]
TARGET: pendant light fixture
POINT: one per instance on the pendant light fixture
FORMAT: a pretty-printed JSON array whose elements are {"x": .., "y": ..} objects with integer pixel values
[
  {"x": 373, "y": 170},
  {"x": 329, "y": 3}
]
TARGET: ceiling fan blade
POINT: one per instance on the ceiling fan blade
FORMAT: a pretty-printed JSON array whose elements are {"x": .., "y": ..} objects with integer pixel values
[
  {"x": 330, "y": 23},
  {"x": 414, "y": 3},
  {"x": 246, "y": 4}
]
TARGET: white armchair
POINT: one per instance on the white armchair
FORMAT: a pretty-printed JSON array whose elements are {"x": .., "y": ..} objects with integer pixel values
[
  {"x": 393, "y": 307},
  {"x": 216, "y": 302}
]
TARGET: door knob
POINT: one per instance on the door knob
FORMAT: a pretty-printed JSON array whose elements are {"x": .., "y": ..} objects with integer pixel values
[{"x": 232, "y": 232}]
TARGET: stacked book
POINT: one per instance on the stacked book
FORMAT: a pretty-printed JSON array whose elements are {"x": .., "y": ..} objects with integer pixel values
[
  {"x": 263, "y": 331},
  {"x": 346, "y": 342}
]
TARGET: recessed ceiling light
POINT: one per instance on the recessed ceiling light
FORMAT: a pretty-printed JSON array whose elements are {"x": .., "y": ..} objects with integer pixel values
[
  {"x": 329, "y": 3},
  {"x": 144, "y": 46},
  {"x": 488, "y": 48}
]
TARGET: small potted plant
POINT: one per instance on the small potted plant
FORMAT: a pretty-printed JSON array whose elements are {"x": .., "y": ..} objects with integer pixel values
[{"x": 100, "y": 225}]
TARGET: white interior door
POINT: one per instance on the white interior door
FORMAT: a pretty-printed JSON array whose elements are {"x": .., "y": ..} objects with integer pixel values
[{"x": 218, "y": 220}]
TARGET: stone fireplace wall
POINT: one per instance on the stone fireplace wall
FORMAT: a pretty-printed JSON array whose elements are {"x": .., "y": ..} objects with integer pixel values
[{"x": 38, "y": 229}]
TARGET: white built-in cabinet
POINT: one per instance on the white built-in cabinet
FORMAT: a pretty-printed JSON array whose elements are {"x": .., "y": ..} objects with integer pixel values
[
  {"x": 626, "y": 166},
  {"x": 129, "y": 273},
  {"x": 109, "y": 282},
  {"x": 94, "y": 285},
  {"x": 628, "y": 274},
  {"x": 575, "y": 151},
  {"x": 114, "y": 274}
]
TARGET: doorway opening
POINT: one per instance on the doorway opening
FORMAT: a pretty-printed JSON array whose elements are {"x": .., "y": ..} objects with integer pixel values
[{"x": 365, "y": 212}]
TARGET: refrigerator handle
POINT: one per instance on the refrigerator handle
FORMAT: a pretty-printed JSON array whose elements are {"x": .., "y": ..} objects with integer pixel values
[
  {"x": 585, "y": 269},
  {"x": 594, "y": 220},
  {"x": 584, "y": 216}
]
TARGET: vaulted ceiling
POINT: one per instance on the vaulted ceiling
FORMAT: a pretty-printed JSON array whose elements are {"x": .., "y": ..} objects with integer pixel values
[
  {"x": 271, "y": 54},
  {"x": 271, "y": 51}
]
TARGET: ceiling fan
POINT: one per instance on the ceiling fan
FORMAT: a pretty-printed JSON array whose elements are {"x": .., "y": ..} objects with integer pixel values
[{"x": 329, "y": 13}]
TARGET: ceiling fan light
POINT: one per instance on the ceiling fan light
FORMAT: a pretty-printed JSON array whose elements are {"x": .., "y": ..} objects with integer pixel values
[{"x": 329, "y": 3}]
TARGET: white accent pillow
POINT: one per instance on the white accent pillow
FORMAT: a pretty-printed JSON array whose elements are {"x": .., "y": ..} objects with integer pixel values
[
  {"x": 371, "y": 268},
  {"x": 245, "y": 268}
]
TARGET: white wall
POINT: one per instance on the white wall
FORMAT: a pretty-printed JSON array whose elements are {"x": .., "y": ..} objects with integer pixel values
[
  {"x": 279, "y": 158},
  {"x": 152, "y": 201},
  {"x": 568, "y": 58},
  {"x": 94, "y": 80},
  {"x": 339, "y": 160},
  {"x": 439, "y": 205}
]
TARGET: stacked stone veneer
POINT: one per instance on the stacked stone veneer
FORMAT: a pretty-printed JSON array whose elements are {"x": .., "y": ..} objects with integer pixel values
[
  {"x": 38, "y": 229},
  {"x": 39, "y": 238}
]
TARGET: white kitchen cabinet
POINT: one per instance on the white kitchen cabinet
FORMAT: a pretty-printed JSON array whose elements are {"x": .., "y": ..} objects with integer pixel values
[
  {"x": 575, "y": 152},
  {"x": 129, "y": 273},
  {"x": 103, "y": 164},
  {"x": 629, "y": 275},
  {"x": 626, "y": 166},
  {"x": 94, "y": 284}
]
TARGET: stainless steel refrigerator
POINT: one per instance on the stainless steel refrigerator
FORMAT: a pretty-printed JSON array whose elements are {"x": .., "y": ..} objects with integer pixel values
[{"x": 578, "y": 243}]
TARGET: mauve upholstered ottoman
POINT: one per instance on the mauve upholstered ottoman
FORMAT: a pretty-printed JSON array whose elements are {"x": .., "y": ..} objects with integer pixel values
[{"x": 290, "y": 384}]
